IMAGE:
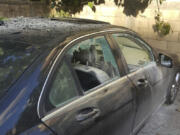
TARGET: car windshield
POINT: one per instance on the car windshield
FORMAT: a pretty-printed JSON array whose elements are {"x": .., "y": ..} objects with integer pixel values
[{"x": 15, "y": 57}]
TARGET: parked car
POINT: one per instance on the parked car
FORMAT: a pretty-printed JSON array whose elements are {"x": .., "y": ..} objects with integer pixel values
[{"x": 79, "y": 77}]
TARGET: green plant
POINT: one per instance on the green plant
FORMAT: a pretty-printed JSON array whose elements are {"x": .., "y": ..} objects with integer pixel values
[
  {"x": 130, "y": 7},
  {"x": 92, "y": 6},
  {"x": 161, "y": 27},
  {"x": 66, "y": 8},
  {"x": 2, "y": 18},
  {"x": 62, "y": 13}
]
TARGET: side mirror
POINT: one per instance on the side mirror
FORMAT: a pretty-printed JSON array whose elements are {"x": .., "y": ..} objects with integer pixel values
[{"x": 165, "y": 61}]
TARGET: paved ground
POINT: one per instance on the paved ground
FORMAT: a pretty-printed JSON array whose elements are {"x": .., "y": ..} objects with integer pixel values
[{"x": 166, "y": 121}]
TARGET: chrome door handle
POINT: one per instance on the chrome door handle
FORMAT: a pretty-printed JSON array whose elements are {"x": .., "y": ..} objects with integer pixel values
[
  {"x": 142, "y": 82},
  {"x": 87, "y": 113}
]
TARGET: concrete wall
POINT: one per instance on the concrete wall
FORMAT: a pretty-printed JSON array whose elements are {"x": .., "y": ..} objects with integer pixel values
[
  {"x": 143, "y": 22},
  {"x": 109, "y": 12},
  {"x": 13, "y": 8}
]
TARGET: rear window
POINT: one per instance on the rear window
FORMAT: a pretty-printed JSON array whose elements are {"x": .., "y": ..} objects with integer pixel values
[{"x": 15, "y": 57}]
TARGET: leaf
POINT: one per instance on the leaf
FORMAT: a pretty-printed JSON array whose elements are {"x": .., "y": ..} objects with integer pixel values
[
  {"x": 161, "y": 1},
  {"x": 1, "y": 52},
  {"x": 91, "y": 4}
]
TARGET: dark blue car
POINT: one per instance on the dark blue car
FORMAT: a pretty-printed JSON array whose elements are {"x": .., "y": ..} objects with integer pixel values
[{"x": 79, "y": 77}]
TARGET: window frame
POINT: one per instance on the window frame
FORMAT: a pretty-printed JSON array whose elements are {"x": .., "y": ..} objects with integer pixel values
[
  {"x": 138, "y": 41},
  {"x": 58, "y": 59}
]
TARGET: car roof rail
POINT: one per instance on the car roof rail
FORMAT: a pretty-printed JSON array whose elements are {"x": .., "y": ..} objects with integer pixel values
[{"x": 79, "y": 20}]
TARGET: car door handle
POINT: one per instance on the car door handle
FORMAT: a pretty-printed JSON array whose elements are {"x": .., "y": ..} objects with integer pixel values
[
  {"x": 142, "y": 82},
  {"x": 87, "y": 113}
]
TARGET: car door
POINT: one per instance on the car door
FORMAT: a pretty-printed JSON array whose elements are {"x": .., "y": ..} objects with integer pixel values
[
  {"x": 158, "y": 78},
  {"x": 63, "y": 109},
  {"x": 116, "y": 98},
  {"x": 137, "y": 59},
  {"x": 93, "y": 98}
]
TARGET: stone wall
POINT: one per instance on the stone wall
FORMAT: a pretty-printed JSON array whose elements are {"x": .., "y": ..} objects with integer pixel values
[
  {"x": 14, "y": 8},
  {"x": 143, "y": 23}
]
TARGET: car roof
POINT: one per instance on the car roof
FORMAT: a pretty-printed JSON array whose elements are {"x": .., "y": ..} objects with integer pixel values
[{"x": 48, "y": 32}]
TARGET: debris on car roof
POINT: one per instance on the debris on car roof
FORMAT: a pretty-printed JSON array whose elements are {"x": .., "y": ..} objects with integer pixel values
[
  {"x": 35, "y": 22},
  {"x": 47, "y": 32},
  {"x": 41, "y": 30}
]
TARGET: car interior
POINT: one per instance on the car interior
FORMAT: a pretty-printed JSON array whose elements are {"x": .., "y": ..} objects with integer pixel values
[{"x": 91, "y": 68}]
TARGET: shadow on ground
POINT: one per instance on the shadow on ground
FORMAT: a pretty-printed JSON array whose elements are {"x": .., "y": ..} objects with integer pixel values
[{"x": 166, "y": 121}]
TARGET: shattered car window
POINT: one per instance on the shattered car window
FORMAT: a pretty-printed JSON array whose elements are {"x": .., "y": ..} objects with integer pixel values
[
  {"x": 15, "y": 57},
  {"x": 93, "y": 62}
]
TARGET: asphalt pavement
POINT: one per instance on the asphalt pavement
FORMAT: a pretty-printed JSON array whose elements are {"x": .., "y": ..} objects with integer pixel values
[{"x": 166, "y": 121}]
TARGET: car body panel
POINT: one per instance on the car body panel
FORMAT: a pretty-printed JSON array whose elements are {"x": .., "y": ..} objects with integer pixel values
[
  {"x": 16, "y": 105},
  {"x": 119, "y": 107},
  {"x": 143, "y": 98}
]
